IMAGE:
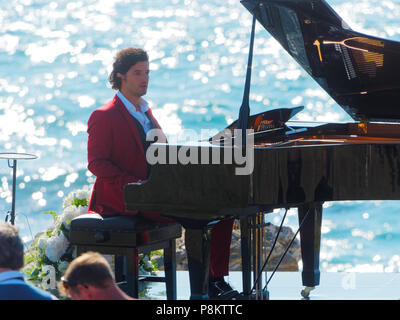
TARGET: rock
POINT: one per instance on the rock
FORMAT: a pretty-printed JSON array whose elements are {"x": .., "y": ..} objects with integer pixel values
[{"x": 289, "y": 263}]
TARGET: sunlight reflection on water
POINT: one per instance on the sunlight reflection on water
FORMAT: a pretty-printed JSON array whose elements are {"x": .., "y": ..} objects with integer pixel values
[{"x": 56, "y": 56}]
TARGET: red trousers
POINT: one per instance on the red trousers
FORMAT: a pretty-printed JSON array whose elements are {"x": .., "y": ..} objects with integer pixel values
[{"x": 221, "y": 237}]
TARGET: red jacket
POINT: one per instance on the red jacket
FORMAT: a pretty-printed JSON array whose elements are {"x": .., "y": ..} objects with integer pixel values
[{"x": 115, "y": 156}]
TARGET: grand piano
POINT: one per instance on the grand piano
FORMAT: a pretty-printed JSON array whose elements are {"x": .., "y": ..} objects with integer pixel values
[{"x": 294, "y": 164}]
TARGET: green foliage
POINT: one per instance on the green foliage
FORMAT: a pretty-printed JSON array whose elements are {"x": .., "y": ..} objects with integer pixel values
[
  {"x": 54, "y": 214},
  {"x": 80, "y": 202}
]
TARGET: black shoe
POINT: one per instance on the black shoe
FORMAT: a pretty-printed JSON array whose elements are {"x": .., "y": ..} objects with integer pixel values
[{"x": 221, "y": 290}]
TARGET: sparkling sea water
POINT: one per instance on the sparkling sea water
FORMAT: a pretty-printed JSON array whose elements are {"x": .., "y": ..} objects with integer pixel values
[{"x": 55, "y": 58}]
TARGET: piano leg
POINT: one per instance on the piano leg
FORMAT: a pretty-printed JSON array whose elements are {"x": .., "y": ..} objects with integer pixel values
[
  {"x": 252, "y": 250},
  {"x": 245, "y": 243},
  {"x": 310, "y": 236},
  {"x": 197, "y": 243}
]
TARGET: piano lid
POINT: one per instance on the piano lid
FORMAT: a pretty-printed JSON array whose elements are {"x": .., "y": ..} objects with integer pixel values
[{"x": 360, "y": 72}]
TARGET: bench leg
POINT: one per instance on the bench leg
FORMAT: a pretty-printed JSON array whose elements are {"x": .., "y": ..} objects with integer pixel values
[
  {"x": 132, "y": 273},
  {"x": 170, "y": 270},
  {"x": 79, "y": 250},
  {"x": 119, "y": 268}
]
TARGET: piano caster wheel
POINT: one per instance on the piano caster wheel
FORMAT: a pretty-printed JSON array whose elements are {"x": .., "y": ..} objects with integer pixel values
[{"x": 306, "y": 292}]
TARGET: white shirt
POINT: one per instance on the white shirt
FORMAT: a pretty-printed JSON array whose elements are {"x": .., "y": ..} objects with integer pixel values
[{"x": 139, "y": 115}]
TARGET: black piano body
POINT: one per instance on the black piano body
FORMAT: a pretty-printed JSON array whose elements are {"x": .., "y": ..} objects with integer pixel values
[
  {"x": 329, "y": 162},
  {"x": 300, "y": 173},
  {"x": 296, "y": 164}
]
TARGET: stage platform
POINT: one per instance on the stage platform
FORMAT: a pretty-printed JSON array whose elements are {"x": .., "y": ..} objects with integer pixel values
[{"x": 287, "y": 286}]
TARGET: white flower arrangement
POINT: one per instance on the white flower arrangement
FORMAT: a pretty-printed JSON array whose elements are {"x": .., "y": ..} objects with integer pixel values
[{"x": 52, "y": 247}]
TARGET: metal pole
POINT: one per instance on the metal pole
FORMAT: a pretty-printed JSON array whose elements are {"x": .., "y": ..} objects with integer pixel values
[
  {"x": 260, "y": 236},
  {"x": 245, "y": 240},
  {"x": 14, "y": 167},
  {"x": 259, "y": 257},
  {"x": 257, "y": 238},
  {"x": 263, "y": 253},
  {"x": 254, "y": 251}
]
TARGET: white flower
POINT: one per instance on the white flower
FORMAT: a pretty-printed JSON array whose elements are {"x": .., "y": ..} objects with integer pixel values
[
  {"x": 82, "y": 210},
  {"x": 68, "y": 200},
  {"x": 56, "y": 247},
  {"x": 42, "y": 242},
  {"x": 62, "y": 266},
  {"x": 57, "y": 224},
  {"x": 66, "y": 220},
  {"x": 142, "y": 270},
  {"x": 71, "y": 211},
  {"x": 82, "y": 194},
  {"x": 68, "y": 214},
  {"x": 148, "y": 265}
]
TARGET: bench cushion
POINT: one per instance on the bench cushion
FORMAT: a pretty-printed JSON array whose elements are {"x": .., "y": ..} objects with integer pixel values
[{"x": 122, "y": 231}]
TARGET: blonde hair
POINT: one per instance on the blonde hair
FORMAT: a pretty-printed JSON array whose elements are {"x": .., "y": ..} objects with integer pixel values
[{"x": 90, "y": 268}]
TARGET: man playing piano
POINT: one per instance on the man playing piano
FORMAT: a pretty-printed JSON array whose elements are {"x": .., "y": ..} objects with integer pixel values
[{"x": 117, "y": 155}]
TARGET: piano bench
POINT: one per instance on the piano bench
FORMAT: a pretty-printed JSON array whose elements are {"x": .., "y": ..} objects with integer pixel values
[{"x": 125, "y": 237}]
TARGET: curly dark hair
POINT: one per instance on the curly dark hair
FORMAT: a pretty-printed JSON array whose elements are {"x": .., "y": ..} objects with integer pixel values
[{"x": 124, "y": 60}]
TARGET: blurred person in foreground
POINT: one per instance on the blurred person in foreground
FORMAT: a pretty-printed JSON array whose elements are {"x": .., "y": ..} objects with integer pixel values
[
  {"x": 12, "y": 283},
  {"x": 89, "y": 277}
]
